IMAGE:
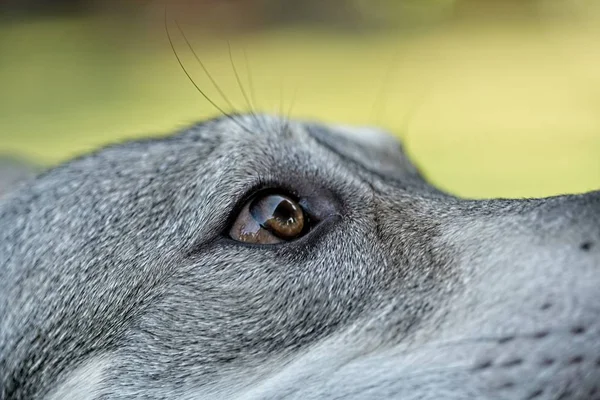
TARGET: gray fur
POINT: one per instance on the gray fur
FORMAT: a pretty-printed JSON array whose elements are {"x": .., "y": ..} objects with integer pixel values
[
  {"x": 118, "y": 281},
  {"x": 14, "y": 172}
]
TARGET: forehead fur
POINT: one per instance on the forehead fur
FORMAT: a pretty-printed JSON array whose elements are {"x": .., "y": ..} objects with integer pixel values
[
  {"x": 117, "y": 268},
  {"x": 94, "y": 242}
]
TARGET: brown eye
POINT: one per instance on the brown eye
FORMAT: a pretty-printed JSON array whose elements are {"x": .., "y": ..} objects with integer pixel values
[{"x": 269, "y": 219}]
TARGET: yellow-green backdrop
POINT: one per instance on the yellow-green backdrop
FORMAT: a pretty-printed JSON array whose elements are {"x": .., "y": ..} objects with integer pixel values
[{"x": 486, "y": 106}]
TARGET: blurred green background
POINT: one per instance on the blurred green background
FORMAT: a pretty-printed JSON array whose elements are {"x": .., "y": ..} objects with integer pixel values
[{"x": 491, "y": 97}]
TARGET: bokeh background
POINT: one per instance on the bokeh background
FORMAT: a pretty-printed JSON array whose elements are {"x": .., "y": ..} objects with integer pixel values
[{"x": 491, "y": 97}]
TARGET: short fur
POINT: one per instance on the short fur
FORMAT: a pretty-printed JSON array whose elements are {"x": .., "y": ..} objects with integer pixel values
[{"x": 119, "y": 280}]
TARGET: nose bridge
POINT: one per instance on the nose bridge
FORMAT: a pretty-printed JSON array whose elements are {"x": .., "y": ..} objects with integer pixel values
[
  {"x": 521, "y": 263},
  {"x": 549, "y": 244},
  {"x": 519, "y": 305},
  {"x": 570, "y": 223},
  {"x": 567, "y": 222},
  {"x": 528, "y": 303}
]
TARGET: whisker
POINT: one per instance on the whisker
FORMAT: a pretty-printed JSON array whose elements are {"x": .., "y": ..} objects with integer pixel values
[
  {"x": 215, "y": 105},
  {"x": 383, "y": 92},
  {"x": 288, "y": 114},
  {"x": 237, "y": 77},
  {"x": 292, "y": 102},
  {"x": 250, "y": 81},
  {"x": 212, "y": 80},
  {"x": 241, "y": 86},
  {"x": 281, "y": 101},
  {"x": 410, "y": 115}
]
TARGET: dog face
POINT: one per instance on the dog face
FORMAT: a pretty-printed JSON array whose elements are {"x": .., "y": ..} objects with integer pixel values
[{"x": 257, "y": 258}]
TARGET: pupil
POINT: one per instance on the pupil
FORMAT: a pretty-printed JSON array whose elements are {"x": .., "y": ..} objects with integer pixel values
[
  {"x": 278, "y": 214},
  {"x": 284, "y": 212},
  {"x": 274, "y": 207}
]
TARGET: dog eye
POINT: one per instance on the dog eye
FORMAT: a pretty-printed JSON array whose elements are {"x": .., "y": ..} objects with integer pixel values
[{"x": 269, "y": 219}]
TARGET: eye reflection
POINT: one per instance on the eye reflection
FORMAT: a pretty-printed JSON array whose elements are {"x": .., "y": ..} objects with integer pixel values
[{"x": 269, "y": 219}]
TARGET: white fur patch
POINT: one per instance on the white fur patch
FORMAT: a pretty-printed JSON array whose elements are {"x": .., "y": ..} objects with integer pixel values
[{"x": 83, "y": 383}]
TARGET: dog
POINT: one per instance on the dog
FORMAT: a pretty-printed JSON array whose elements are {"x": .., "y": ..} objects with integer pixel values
[{"x": 255, "y": 257}]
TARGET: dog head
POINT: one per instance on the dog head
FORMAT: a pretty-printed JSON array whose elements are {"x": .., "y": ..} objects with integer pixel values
[{"x": 252, "y": 257}]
